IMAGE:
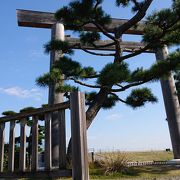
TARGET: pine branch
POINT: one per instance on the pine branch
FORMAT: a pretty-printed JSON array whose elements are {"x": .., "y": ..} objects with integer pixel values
[
  {"x": 151, "y": 44},
  {"x": 134, "y": 20},
  {"x": 119, "y": 85},
  {"x": 97, "y": 4},
  {"x": 97, "y": 54},
  {"x": 104, "y": 31},
  {"x": 137, "y": 52},
  {"x": 82, "y": 83},
  {"x": 129, "y": 86},
  {"x": 119, "y": 99}
]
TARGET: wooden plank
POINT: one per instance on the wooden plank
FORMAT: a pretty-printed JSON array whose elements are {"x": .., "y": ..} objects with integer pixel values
[
  {"x": 79, "y": 138},
  {"x": 35, "y": 144},
  {"x": 62, "y": 139},
  {"x": 38, "y": 19},
  {"x": 48, "y": 154},
  {"x": 35, "y": 112},
  {"x": 37, "y": 175},
  {"x": 127, "y": 46},
  {"x": 2, "y": 126},
  {"x": 22, "y": 153},
  {"x": 11, "y": 147}
]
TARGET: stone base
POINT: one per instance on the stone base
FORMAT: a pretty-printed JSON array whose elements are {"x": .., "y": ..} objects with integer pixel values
[{"x": 174, "y": 162}]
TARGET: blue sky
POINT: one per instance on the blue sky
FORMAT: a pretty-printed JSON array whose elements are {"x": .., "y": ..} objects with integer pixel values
[{"x": 22, "y": 60}]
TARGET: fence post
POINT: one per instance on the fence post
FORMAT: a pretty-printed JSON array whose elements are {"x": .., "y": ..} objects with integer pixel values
[
  {"x": 2, "y": 126},
  {"x": 22, "y": 154},
  {"x": 11, "y": 146},
  {"x": 79, "y": 138},
  {"x": 62, "y": 139},
  {"x": 48, "y": 155},
  {"x": 35, "y": 144}
]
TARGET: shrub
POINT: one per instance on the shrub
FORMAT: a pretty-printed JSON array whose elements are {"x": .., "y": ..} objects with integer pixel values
[{"x": 115, "y": 162}]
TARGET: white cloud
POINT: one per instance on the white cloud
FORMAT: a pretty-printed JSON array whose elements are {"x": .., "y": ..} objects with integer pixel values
[
  {"x": 114, "y": 116},
  {"x": 22, "y": 93}
]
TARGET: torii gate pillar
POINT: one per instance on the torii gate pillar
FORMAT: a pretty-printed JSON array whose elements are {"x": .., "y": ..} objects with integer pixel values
[
  {"x": 171, "y": 103},
  {"x": 58, "y": 118}
]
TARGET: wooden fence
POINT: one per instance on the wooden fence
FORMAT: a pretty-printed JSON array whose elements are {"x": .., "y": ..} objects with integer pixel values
[{"x": 79, "y": 142}]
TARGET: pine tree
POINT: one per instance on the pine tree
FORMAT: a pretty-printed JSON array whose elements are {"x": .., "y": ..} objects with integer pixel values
[{"x": 161, "y": 27}]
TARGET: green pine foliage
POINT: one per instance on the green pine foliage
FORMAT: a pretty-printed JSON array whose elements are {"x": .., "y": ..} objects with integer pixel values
[
  {"x": 72, "y": 14},
  {"x": 112, "y": 74},
  {"x": 69, "y": 69},
  {"x": 135, "y": 7},
  {"x": 90, "y": 97},
  {"x": 161, "y": 27},
  {"x": 8, "y": 113},
  {"x": 66, "y": 88},
  {"x": 139, "y": 97},
  {"x": 164, "y": 24},
  {"x": 157, "y": 70},
  {"x": 89, "y": 37},
  {"x": 110, "y": 102},
  {"x": 62, "y": 46}
]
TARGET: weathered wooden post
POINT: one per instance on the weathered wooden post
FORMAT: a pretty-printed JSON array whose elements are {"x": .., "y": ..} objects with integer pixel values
[
  {"x": 79, "y": 138},
  {"x": 62, "y": 139},
  {"x": 48, "y": 154},
  {"x": 11, "y": 146},
  {"x": 2, "y": 126},
  {"x": 22, "y": 153},
  {"x": 171, "y": 103},
  {"x": 58, "y": 146},
  {"x": 35, "y": 144}
]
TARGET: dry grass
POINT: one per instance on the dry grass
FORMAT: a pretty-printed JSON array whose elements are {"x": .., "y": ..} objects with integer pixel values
[
  {"x": 144, "y": 156},
  {"x": 113, "y": 163},
  {"x": 150, "y": 156}
]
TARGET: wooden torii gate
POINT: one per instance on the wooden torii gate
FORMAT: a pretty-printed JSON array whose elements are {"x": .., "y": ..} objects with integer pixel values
[{"x": 37, "y": 19}]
